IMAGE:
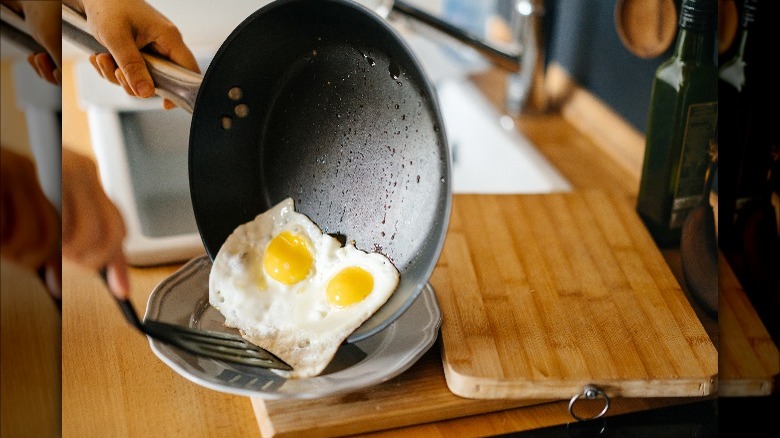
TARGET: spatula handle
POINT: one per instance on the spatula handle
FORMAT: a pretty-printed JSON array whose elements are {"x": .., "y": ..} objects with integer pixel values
[{"x": 124, "y": 305}]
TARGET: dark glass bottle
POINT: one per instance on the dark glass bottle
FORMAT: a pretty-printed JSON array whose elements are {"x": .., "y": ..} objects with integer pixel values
[
  {"x": 681, "y": 125},
  {"x": 746, "y": 124},
  {"x": 748, "y": 228}
]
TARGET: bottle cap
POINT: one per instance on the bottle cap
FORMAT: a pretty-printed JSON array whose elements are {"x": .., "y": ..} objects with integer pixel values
[{"x": 699, "y": 15}]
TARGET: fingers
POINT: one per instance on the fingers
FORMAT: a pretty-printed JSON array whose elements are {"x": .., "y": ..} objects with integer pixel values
[
  {"x": 126, "y": 28},
  {"x": 19, "y": 226},
  {"x": 106, "y": 66},
  {"x": 53, "y": 276},
  {"x": 30, "y": 225},
  {"x": 45, "y": 23},
  {"x": 93, "y": 61},
  {"x": 118, "y": 278},
  {"x": 120, "y": 77},
  {"x": 45, "y": 68},
  {"x": 49, "y": 223},
  {"x": 92, "y": 226},
  {"x": 170, "y": 44},
  {"x": 128, "y": 58},
  {"x": 94, "y": 234}
]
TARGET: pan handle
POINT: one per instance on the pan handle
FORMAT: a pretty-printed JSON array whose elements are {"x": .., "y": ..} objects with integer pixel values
[
  {"x": 502, "y": 58},
  {"x": 15, "y": 30},
  {"x": 171, "y": 81}
]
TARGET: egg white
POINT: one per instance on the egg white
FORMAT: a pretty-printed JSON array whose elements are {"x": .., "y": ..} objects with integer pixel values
[{"x": 295, "y": 322}]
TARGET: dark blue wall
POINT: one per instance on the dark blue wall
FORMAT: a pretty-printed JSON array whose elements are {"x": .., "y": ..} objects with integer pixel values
[{"x": 583, "y": 39}]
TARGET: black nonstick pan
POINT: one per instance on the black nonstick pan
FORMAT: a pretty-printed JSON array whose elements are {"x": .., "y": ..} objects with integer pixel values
[{"x": 321, "y": 101}]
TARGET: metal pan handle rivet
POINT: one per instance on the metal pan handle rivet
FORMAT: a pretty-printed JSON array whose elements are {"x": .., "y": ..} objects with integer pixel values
[
  {"x": 235, "y": 93},
  {"x": 589, "y": 392},
  {"x": 241, "y": 110},
  {"x": 226, "y": 122}
]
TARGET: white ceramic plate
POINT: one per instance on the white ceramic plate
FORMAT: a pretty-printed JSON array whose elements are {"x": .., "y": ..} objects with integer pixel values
[{"x": 182, "y": 299}]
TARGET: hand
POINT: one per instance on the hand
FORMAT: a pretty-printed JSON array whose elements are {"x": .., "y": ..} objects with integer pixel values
[
  {"x": 29, "y": 223},
  {"x": 126, "y": 26},
  {"x": 92, "y": 226},
  {"x": 44, "y": 24}
]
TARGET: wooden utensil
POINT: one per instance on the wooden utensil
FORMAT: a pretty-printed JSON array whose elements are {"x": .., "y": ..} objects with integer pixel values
[
  {"x": 699, "y": 250},
  {"x": 728, "y": 22},
  {"x": 646, "y": 27}
]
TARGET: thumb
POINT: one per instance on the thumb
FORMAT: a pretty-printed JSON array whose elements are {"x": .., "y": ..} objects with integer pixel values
[{"x": 117, "y": 277}]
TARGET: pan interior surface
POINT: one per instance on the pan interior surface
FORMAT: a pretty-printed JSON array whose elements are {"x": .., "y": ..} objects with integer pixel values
[{"x": 340, "y": 118}]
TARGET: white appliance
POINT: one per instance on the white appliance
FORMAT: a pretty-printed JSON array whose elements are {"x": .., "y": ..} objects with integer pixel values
[{"x": 141, "y": 152}]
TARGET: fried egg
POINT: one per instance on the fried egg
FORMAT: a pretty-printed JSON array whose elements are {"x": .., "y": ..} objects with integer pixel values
[{"x": 294, "y": 290}]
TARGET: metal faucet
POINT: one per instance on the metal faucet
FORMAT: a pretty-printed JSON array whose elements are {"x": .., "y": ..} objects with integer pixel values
[
  {"x": 525, "y": 89},
  {"x": 523, "y": 57}
]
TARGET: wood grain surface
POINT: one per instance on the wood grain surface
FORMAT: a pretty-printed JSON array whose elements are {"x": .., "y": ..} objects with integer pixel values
[
  {"x": 543, "y": 294},
  {"x": 417, "y": 396},
  {"x": 30, "y": 332},
  {"x": 418, "y": 403},
  {"x": 749, "y": 360}
]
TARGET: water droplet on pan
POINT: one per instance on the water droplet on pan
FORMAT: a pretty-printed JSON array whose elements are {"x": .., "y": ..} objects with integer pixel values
[{"x": 394, "y": 70}]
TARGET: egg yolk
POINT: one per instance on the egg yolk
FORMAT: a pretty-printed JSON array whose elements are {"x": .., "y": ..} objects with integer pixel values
[
  {"x": 349, "y": 286},
  {"x": 288, "y": 258}
]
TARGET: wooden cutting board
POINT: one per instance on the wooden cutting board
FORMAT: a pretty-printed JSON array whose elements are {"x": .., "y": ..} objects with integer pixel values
[
  {"x": 417, "y": 396},
  {"x": 543, "y": 294},
  {"x": 749, "y": 362}
]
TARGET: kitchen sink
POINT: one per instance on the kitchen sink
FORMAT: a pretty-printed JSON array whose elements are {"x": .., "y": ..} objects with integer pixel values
[
  {"x": 141, "y": 151},
  {"x": 488, "y": 154}
]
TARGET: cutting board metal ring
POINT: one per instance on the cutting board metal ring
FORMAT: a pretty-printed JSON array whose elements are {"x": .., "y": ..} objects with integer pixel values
[{"x": 589, "y": 392}]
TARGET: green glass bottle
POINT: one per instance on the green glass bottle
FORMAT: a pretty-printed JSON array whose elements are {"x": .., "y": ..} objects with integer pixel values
[
  {"x": 747, "y": 123},
  {"x": 681, "y": 125}
]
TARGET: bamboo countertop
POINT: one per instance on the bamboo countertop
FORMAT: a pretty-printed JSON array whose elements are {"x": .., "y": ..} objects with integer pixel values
[{"x": 113, "y": 384}]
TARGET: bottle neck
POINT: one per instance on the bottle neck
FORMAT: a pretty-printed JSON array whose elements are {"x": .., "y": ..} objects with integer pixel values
[
  {"x": 696, "y": 38},
  {"x": 742, "y": 44},
  {"x": 695, "y": 46},
  {"x": 748, "y": 18}
]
